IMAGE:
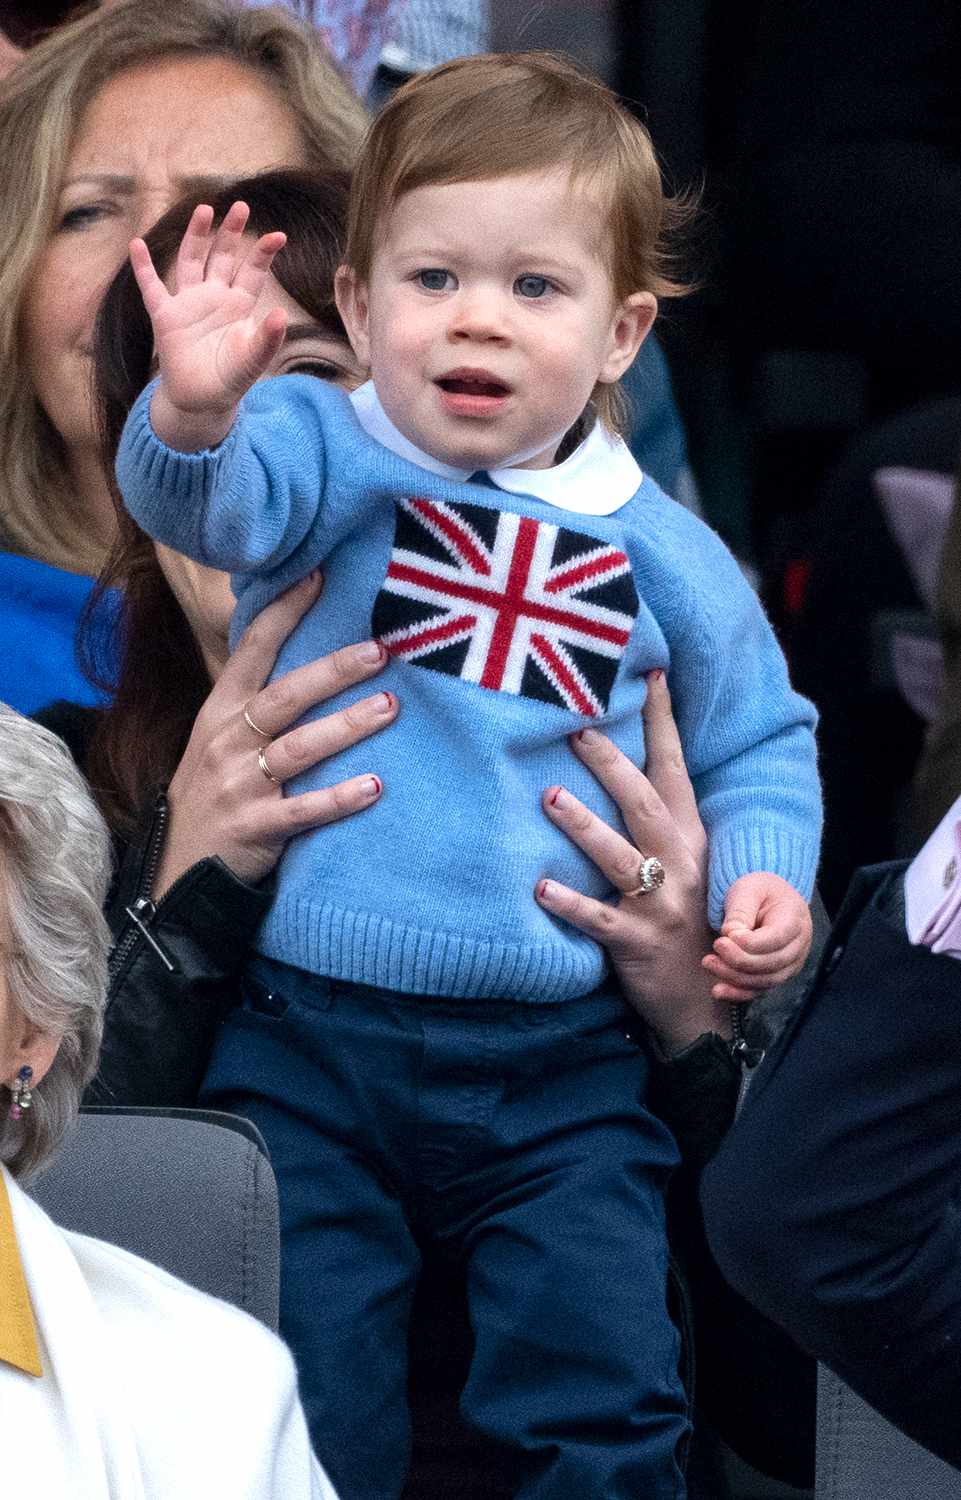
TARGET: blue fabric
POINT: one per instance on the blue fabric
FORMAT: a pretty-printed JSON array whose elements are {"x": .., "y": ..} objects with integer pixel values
[
  {"x": 430, "y": 890},
  {"x": 40, "y": 609},
  {"x": 515, "y": 1138},
  {"x": 656, "y": 435}
]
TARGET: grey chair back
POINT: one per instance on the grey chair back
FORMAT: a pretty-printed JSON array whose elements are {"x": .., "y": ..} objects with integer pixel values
[
  {"x": 860, "y": 1456},
  {"x": 190, "y": 1190}
]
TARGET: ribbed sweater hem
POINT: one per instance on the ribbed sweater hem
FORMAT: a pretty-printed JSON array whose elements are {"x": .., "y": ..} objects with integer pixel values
[{"x": 365, "y": 948}]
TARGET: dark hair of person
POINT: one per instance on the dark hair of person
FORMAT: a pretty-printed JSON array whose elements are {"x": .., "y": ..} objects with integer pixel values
[{"x": 162, "y": 680}]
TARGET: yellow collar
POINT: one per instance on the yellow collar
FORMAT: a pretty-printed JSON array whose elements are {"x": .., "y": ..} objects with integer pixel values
[{"x": 19, "y": 1345}]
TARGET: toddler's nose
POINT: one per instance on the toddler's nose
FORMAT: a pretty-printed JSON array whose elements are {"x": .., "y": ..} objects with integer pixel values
[{"x": 479, "y": 315}]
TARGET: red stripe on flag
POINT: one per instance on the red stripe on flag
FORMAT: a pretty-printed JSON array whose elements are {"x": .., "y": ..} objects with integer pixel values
[
  {"x": 566, "y": 678},
  {"x": 513, "y": 604},
  {"x": 458, "y": 536},
  {"x": 549, "y": 613},
  {"x": 589, "y": 569},
  {"x": 405, "y": 644}
]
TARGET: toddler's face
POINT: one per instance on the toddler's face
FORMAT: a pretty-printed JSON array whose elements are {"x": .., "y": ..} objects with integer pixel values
[{"x": 489, "y": 317}]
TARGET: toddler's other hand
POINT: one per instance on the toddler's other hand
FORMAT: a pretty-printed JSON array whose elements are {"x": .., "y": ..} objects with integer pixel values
[{"x": 765, "y": 936}]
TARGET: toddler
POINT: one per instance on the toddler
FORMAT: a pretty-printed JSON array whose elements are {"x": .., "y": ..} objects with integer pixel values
[{"x": 429, "y": 1054}]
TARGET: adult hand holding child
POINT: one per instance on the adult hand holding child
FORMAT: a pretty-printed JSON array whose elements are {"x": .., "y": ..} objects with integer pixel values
[
  {"x": 224, "y": 804},
  {"x": 766, "y": 934},
  {"x": 657, "y": 941}
]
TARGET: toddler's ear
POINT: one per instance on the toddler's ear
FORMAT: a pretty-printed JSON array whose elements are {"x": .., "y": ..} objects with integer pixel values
[
  {"x": 630, "y": 326},
  {"x": 351, "y": 298}
]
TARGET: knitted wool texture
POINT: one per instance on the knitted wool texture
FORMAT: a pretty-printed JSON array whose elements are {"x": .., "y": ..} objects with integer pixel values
[{"x": 430, "y": 891}]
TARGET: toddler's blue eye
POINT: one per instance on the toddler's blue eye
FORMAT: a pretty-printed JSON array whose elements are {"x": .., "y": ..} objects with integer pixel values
[
  {"x": 531, "y": 286},
  {"x": 435, "y": 280}
]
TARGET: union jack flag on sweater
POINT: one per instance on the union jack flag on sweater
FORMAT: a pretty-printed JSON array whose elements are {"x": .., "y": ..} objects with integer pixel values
[{"x": 514, "y": 604}]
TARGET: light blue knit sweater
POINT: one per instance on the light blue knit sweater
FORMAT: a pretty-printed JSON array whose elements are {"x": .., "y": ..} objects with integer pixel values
[{"x": 430, "y": 891}]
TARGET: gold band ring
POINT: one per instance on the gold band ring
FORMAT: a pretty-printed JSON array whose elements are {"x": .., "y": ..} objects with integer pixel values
[
  {"x": 650, "y": 876},
  {"x": 262, "y": 763},
  {"x": 260, "y": 733}
]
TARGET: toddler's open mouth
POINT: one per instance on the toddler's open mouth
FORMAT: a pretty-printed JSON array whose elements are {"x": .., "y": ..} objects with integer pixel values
[{"x": 463, "y": 384}]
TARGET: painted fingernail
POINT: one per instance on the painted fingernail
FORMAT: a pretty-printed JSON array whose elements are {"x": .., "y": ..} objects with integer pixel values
[
  {"x": 557, "y": 797},
  {"x": 371, "y": 788},
  {"x": 371, "y": 651},
  {"x": 384, "y": 703},
  {"x": 544, "y": 890},
  {"x": 586, "y": 737},
  {"x": 656, "y": 675}
]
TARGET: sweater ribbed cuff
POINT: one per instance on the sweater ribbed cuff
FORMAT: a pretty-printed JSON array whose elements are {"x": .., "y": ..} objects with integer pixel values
[
  {"x": 170, "y": 483},
  {"x": 736, "y": 851}
]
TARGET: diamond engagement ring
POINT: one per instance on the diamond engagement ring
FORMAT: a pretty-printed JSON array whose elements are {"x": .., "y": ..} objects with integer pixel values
[{"x": 650, "y": 875}]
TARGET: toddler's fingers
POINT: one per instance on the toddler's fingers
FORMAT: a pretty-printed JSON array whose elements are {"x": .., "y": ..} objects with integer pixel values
[
  {"x": 250, "y": 275},
  {"x": 731, "y": 993},
  {"x": 734, "y": 951},
  {"x": 194, "y": 248},
  {"x": 756, "y": 980},
  {"x": 741, "y": 912},
  {"x": 758, "y": 986},
  {"x": 773, "y": 932},
  {"x": 781, "y": 920},
  {"x": 264, "y": 343},
  {"x": 726, "y": 974},
  {"x": 228, "y": 244}
]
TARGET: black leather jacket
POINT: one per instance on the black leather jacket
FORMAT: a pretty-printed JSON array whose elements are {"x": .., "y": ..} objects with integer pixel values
[{"x": 174, "y": 972}]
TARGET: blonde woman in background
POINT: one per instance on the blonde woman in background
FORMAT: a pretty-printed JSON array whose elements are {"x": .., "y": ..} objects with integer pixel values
[{"x": 100, "y": 132}]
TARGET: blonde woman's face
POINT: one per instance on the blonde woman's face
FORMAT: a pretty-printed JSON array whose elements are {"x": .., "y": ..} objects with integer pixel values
[{"x": 153, "y": 133}]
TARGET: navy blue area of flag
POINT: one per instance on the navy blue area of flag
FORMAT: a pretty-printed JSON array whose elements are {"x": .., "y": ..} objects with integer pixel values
[{"x": 513, "y": 604}]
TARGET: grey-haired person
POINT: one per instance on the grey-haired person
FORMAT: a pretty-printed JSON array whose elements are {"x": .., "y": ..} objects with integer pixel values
[{"x": 103, "y": 1357}]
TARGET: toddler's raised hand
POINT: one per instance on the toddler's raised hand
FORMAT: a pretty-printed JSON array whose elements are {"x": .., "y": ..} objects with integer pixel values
[
  {"x": 210, "y": 347},
  {"x": 765, "y": 936}
]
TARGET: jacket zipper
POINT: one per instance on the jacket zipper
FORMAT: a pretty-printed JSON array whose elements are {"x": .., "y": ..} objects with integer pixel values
[
  {"x": 746, "y": 1056},
  {"x": 142, "y": 911}
]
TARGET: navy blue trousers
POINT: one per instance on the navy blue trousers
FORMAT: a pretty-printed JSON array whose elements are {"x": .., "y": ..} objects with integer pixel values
[{"x": 513, "y": 1136}]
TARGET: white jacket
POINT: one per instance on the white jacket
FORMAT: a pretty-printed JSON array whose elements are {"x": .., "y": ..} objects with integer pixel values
[{"x": 150, "y": 1390}]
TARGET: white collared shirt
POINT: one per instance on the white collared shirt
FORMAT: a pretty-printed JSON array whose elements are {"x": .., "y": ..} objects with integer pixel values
[
  {"x": 932, "y": 888},
  {"x": 597, "y": 479}
]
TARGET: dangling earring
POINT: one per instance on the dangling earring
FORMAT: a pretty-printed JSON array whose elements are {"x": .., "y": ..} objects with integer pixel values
[{"x": 21, "y": 1097}]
